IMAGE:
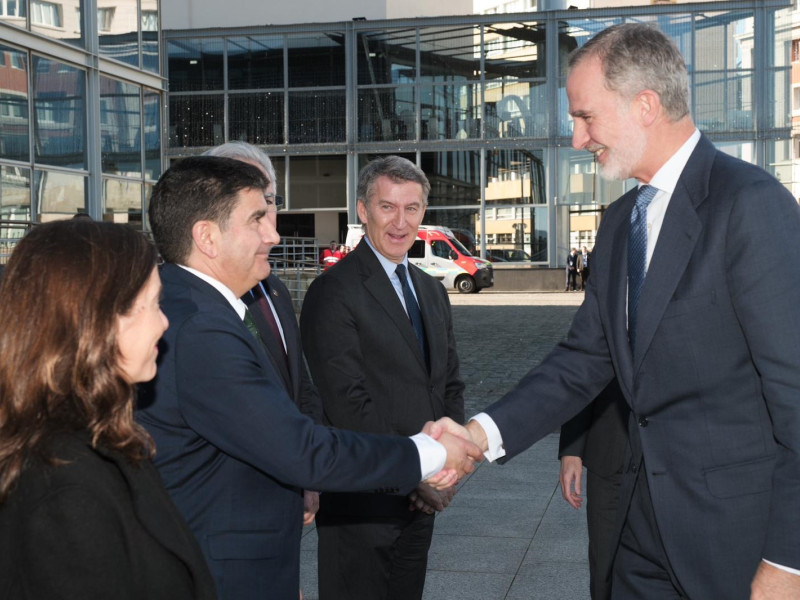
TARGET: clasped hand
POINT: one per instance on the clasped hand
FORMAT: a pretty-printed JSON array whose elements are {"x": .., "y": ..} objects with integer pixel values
[{"x": 462, "y": 453}]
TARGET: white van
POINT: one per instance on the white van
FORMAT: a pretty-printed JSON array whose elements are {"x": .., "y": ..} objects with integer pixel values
[{"x": 437, "y": 252}]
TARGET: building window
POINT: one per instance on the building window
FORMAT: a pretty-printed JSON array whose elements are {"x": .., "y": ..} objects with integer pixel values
[
  {"x": 46, "y": 13},
  {"x": 795, "y": 50},
  {"x": 12, "y": 8},
  {"x": 149, "y": 20},
  {"x": 105, "y": 16}
]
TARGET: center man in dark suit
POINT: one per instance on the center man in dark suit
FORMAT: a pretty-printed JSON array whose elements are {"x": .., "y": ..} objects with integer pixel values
[
  {"x": 379, "y": 339},
  {"x": 233, "y": 449}
]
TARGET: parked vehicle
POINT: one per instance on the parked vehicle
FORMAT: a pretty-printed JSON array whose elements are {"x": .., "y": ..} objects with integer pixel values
[{"x": 437, "y": 252}]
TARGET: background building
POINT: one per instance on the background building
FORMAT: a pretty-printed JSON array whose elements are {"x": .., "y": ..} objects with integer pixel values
[{"x": 477, "y": 101}]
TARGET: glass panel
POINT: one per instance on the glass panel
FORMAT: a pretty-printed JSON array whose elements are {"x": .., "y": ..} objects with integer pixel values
[
  {"x": 15, "y": 194},
  {"x": 317, "y": 117},
  {"x": 195, "y": 65},
  {"x": 450, "y": 111},
  {"x": 118, "y": 21},
  {"x": 779, "y": 161},
  {"x": 515, "y": 50},
  {"x": 316, "y": 59},
  {"x": 450, "y": 53},
  {"x": 723, "y": 41},
  {"x": 723, "y": 100},
  {"x": 14, "y": 142},
  {"x": 386, "y": 114},
  {"x": 150, "y": 58},
  {"x": 778, "y": 109},
  {"x": 148, "y": 191},
  {"x": 122, "y": 202},
  {"x": 59, "y": 113},
  {"x": 387, "y": 56},
  {"x": 515, "y": 109},
  {"x": 256, "y": 118},
  {"x": 255, "y": 62},
  {"x": 120, "y": 127},
  {"x": 318, "y": 182},
  {"x": 463, "y": 222},
  {"x": 579, "y": 182},
  {"x": 514, "y": 177},
  {"x": 59, "y": 20},
  {"x": 196, "y": 120},
  {"x": 60, "y": 195},
  {"x": 152, "y": 135},
  {"x": 515, "y": 234},
  {"x": 454, "y": 177},
  {"x": 13, "y": 12}
]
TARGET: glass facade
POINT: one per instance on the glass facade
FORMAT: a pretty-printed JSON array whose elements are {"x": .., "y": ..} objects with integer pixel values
[
  {"x": 80, "y": 111},
  {"x": 478, "y": 102}
]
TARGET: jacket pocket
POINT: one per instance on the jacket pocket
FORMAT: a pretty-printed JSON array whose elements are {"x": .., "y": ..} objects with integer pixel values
[{"x": 752, "y": 477}]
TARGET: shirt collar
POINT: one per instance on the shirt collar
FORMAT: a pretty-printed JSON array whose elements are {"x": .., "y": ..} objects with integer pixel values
[
  {"x": 666, "y": 178},
  {"x": 387, "y": 264},
  {"x": 237, "y": 304}
]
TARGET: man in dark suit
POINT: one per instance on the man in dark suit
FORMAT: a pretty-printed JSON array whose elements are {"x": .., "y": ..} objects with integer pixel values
[
  {"x": 273, "y": 311},
  {"x": 378, "y": 370},
  {"x": 688, "y": 307},
  {"x": 584, "y": 268},
  {"x": 572, "y": 270},
  {"x": 596, "y": 438},
  {"x": 232, "y": 448}
]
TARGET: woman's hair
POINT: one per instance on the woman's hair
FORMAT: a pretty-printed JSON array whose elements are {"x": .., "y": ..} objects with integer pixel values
[{"x": 64, "y": 287}]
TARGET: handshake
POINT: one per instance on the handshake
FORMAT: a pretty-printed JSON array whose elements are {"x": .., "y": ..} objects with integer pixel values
[{"x": 464, "y": 445}]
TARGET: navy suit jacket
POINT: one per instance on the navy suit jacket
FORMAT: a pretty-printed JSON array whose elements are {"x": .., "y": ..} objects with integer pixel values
[
  {"x": 366, "y": 361},
  {"x": 714, "y": 386},
  {"x": 234, "y": 451}
]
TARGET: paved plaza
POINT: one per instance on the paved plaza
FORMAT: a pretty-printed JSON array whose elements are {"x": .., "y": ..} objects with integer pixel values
[{"x": 508, "y": 534}]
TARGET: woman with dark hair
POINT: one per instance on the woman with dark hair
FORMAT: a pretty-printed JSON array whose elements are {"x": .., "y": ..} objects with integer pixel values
[{"x": 83, "y": 513}]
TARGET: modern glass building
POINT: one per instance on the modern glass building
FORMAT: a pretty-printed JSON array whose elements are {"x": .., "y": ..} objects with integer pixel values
[{"x": 80, "y": 110}]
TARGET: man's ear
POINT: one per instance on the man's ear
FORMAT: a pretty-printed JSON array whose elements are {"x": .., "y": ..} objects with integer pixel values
[
  {"x": 648, "y": 106},
  {"x": 204, "y": 237},
  {"x": 361, "y": 209}
]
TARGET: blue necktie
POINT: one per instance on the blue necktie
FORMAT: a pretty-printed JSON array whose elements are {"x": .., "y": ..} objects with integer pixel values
[
  {"x": 637, "y": 255},
  {"x": 414, "y": 314}
]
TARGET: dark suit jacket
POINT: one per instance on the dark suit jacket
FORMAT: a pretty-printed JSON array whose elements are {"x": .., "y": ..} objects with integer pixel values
[
  {"x": 234, "y": 451},
  {"x": 714, "y": 387},
  {"x": 99, "y": 527},
  {"x": 598, "y": 435},
  {"x": 294, "y": 375},
  {"x": 368, "y": 365}
]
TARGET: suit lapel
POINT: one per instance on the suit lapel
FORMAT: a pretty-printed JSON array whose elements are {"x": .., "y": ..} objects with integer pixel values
[
  {"x": 676, "y": 241},
  {"x": 377, "y": 283}
]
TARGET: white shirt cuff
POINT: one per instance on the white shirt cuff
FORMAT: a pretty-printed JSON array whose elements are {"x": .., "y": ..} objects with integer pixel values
[
  {"x": 493, "y": 437},
  {"x": 432, "y": 455},
  {"x": 782, "y": 568}
]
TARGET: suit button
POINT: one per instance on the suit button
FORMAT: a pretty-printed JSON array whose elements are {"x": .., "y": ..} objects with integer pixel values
[{"x": 642, "y": 422}]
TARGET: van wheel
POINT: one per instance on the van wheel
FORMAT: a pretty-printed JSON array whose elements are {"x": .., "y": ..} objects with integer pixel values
[{"x": 466, "y": 284}]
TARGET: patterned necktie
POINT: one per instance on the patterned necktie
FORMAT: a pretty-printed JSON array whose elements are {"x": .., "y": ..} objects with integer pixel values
[
  {"x": 414, "y": 314},
  {"x": 637, "y": 255},
  {"x": 251, "y": 324}
]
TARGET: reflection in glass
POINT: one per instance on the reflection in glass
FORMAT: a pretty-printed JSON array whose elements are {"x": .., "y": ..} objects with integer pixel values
[
  {"x": 120, "y": 127},
  {"x": 122, "y": 202},
  {"x": 255, "y": 62},
  {"x": 13, "y": 12},
  {"x": 779, "y": 160},
  {"x": 59, "y": 113},
  {"x": 515, "y": 50},
  {"x": 195, "y": 65},
  {"x": 581, "y": 183},
  {"x": 196, "y": 120},
  {"x": 386, "y": 114},
  {"x": 15, "y": 194},
  {"x": 150, "y": 60},
  {"x": 449, "y": 53},
  {"x": 317, "y": 117},
  {"x": 318, "y": 182},
  {"x": 387, "y": 56},
  {"x": 119, "y": 30},
  {"x": 726, "y": 42},
  {"x": 454, "y": 177},
  {"x": 316, "y": 59},
  {"x": 515, "y": 234},
  {"x": 59, "y": 20},
  {"x": 516, "y": 109},
  {"x": 723, "y": 101},
  {"x": 256, "y": 118},
  {"x": 14, "y": 104},
  {"x": 59, "y": 195},
  {"x": 152, "y": 135},
  {"x": 450, "y": 111}
]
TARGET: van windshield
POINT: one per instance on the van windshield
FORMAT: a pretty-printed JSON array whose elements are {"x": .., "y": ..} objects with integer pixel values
[{"x": 459, "y": 246}]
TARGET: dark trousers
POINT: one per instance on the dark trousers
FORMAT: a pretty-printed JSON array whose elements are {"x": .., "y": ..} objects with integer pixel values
[
  {"x": 641, "y": 567},
  {"x": 602, "y": 505},
  {"x": 572, "y": 275},
  {"x": 584, "y": 277},
  {"x": 374, "y": 558}
]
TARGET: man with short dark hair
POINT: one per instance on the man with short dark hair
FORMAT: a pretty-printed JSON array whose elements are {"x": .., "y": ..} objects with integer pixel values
[
  {"x": 393, "y": 367},
  {"x": 234, "y": 451}
]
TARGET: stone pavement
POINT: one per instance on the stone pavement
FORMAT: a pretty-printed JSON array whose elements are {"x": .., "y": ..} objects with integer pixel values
[{"x": 508, "y": 534}]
